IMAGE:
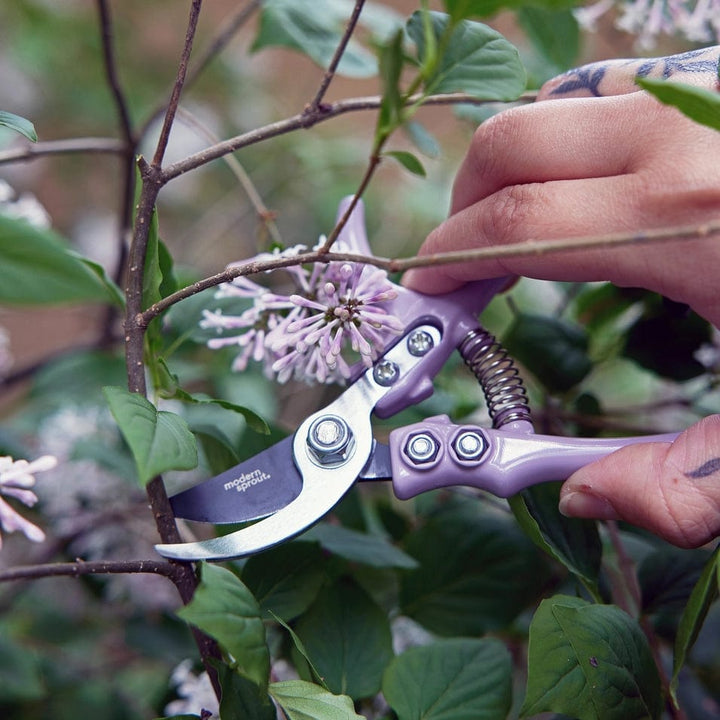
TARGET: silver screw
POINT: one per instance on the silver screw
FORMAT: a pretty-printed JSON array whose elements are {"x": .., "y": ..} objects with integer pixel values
[
  {"x": 422, "y": 448},
  {"x": 386, "y": 373},
  {"x": 420, "y": 343},
  {"x": 330, "y": 440},
  {"x": 469, "y": 445}
]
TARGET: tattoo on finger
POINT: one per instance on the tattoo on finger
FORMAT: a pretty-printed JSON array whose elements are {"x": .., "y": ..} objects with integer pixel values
[
  {"x": 704, "y": 470},
  {"x": 588, "y": 78}
]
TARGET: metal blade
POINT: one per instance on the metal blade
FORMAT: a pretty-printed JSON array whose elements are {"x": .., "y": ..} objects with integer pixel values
[
  {"x": 254, "y": 489},
  {"x": 378, "y": 466}
]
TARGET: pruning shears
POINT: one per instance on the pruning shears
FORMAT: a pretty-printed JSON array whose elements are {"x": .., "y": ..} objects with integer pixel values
[{"x": 287, "y": 488}]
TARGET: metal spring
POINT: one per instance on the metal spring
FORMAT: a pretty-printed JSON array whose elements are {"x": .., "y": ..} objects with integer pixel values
[{"x": 500, "y": 380}]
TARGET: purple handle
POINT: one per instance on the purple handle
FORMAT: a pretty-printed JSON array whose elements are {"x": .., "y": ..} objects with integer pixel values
[
  {"x": 437, "y": 453},
  {"x": 454, "y": 314}
]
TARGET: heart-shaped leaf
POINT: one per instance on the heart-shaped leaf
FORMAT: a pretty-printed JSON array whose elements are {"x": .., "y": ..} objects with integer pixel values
[{"x": 159, "y": 440}]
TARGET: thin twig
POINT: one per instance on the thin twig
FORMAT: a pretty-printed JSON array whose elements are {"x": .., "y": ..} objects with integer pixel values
[
  {"x": 178, "y": 86},
  {"x": 307, "y": 119},
  {"x": 128, "y": 166},
  {"x": 224, "y": 35},
  {"x": 95, "y": 567},
  {"x": 108, "y": 50},
  {"x": 373, "y": 164},
  {"x": 90, "y": 145},
  {"x": 337, "y": 57},
  {"x": 529, "y": 247},
  {"x": 217, "y": 45},
  {"x": 631, "y": 584},
  {"x": 262, "y": 211}
]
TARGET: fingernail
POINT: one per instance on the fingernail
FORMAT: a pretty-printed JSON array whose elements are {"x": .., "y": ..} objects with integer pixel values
[{"x": 585, "y": 505}]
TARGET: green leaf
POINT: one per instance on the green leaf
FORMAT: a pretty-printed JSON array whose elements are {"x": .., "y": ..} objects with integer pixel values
[
  {"x": 702, "y": 597},
  {"x": 242, "y": 698},
  {"x": 477, "y": 573},
  {"x": 18, "y": 124},
  {"x": 116, "y": 294},
  {"x": 303, "y": 653},
  {"x": 253, "y": 420},
  {"x": 158, "y": 277},
  {"x": 159, "y": 440},
  {"x": 347, "y": 637},
  {"x": 574, "y": 543},
  {"x": 315, "y": 27},
  {"x": 37, "y": 267},
  {"x": 553, "y": 350},
  {"x": 462, "y": 679},
  {"x": 359, "y": 547},
  {"x": 391, "y": 105},
  {"x": 591, "y": 662},
  {"x": 699, "y": 104},
  {"x": 226, "y": 610},
  {"x": 667, "y": 577},
  {"x": 647, "y": 342},
  {"x": 302, "y": 700},
  {"x": 408, "y": 161},
  {"x": 475, "y": 59},
  {"x": 286, "y": 579},
  {"x": 555, "y": 34}
]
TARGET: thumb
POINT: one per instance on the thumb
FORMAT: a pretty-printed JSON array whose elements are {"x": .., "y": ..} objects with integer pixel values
[{"x": 671, "y": 489}]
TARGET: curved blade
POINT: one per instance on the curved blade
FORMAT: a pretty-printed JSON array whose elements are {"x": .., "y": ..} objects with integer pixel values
[
  {"x": 251, "y": 490},
  {"x": 322, "y": 488}
]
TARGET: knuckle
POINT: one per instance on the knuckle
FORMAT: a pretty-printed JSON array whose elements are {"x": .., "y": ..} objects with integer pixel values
[
  {"x": 507, "y": 215},
  {"x": 490, "y": 143}
]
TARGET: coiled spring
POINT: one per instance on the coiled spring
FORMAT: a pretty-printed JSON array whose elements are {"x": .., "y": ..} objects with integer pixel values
[{"x": 500, "y": 380}]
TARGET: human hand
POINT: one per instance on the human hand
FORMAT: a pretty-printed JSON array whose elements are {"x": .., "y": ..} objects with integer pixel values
[
  {"x": 604, "y": 157},
  {"x": 594, "y": 156}
]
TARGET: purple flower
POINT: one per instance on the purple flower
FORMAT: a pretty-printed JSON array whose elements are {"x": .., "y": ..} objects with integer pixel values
[
  {"x": 16, "y": 479},
  {"x": 304, "y": 335}
]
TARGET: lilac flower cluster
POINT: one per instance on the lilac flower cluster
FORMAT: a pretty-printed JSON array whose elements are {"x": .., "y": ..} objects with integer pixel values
[
  {"x": 16, "y": 479},
  {"x": 303, "y": 334},
  {"x": 697, "y": 21}
]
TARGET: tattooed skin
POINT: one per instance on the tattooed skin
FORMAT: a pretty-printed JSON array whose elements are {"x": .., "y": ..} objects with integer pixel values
[
  {"x": 588, "y": 79},
  {"x": 706, "y": 469},
  {"x": 687, "y": 62}
]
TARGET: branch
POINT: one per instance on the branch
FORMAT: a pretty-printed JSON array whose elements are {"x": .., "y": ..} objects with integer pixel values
[
  {"x": 108, "y": 49},
  {"x": 264, "y": 214},
  {"x": 307, "y": 119},
  {"x": 88, "y": 145},
  {"x": 125, "y": 208},
  {"x": 529, "y": 247},
  {"x": 178, "y": 86},
  {"x": 99, "y": 567},
  {"x": 217, "y": 45},
  {"x": 335, "y": 61},
  {"x": 221, "y": 40}
]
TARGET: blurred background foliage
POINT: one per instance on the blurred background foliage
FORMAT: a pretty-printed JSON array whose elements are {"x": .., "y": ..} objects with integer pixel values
[{"x": 598, "y": 360}]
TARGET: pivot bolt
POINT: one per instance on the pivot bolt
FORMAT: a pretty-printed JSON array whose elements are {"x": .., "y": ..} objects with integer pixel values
[
  {"x": 330, "y": 440},
  {"x": 420, "y": 343},
  {"x": 469, "y": 445},
  {"x": 421, "y": 448},
  {"x": 386, "y": 373}
]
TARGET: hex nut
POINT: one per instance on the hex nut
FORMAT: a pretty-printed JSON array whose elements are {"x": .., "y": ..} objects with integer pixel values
[{"x": 421, "y": 448}]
